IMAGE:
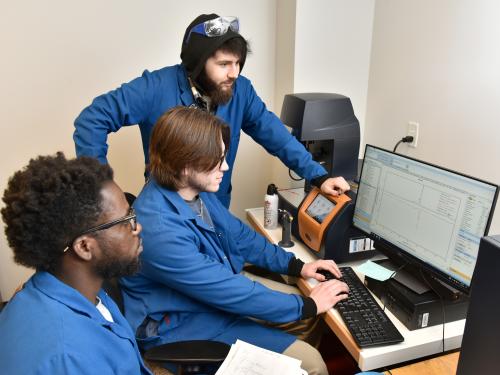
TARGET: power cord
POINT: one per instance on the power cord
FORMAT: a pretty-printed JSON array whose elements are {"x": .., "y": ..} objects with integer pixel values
[
  {"x": 293, "y": 178},
  {"x": 407, "y": 139}
]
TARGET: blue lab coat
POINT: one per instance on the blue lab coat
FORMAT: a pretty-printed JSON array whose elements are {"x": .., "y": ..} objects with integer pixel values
[
  {"x": 50, "y": 328},
  {"x": 143, "y": 100},
  {"x": 189, "y": 284}
]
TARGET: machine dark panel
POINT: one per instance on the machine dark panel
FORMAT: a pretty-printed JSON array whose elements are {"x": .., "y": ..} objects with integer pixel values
[
  {"x": 326, "y": 125},
  {"x": 479, "y": 354}
]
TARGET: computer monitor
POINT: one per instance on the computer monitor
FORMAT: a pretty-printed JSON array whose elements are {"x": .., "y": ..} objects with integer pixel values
[{"x": 424, "y": 216}]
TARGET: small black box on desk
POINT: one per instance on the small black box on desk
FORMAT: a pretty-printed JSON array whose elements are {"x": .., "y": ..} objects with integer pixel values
[{"x": 416, "y": 310}]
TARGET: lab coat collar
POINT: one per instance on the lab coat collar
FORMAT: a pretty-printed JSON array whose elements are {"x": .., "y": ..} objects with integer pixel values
[
  {"x": 182, "y": 207},
  {"x": 54, "y": 288},
  {"x": 185, "y": 90}
]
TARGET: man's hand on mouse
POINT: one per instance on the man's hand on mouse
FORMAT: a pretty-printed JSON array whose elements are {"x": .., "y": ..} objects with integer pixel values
[
  {"x": 335, "y": 186},
  {"x": 310, "y": 269}
]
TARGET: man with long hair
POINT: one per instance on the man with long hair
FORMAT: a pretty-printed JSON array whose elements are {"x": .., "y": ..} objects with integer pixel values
[{"x": 191, "y": 285}]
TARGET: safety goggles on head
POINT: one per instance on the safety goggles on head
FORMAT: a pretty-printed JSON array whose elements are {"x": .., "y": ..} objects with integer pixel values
[{"x": 216, "y": 27}]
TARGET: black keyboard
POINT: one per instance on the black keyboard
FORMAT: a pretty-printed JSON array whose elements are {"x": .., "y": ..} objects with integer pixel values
[{"x": 365, "y": 319}]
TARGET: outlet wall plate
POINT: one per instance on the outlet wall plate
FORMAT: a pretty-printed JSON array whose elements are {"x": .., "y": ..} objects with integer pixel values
[{"x": 413, "y": 131}]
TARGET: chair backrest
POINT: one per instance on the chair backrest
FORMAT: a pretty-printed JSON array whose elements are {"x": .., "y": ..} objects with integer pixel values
[
  {"x": 129, "y": 197},
  {"x": 112, "y": 287}
]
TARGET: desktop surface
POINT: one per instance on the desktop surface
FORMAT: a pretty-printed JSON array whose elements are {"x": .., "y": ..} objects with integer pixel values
[{"x": 416, "y": 344}]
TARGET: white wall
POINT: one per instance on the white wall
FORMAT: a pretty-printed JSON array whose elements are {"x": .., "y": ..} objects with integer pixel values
[
  {"x": 286, "y": 15},
  {"x": 332, "y": 49},
  {"x": 58, "y": 55},
  {"x": 431, "y": 62},
  {"x": 331, "y": 53},
  {"x": 438, "y": 63}
]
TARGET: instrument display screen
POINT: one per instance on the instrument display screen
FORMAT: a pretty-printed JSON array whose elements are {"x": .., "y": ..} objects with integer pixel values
[{"x": 320, "y": 208}]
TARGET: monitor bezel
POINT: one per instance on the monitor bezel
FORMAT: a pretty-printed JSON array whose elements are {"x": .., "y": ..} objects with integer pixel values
[{"x": 401, "y": 256}]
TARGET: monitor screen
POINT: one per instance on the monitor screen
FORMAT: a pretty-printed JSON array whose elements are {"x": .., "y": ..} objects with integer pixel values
[
  {"x": 426, "y": 214},
  {"x": 319, "y": 208}
]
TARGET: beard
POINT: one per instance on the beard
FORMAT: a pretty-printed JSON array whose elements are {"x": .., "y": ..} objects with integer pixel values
[
  {"x": 218, "y": 95},
  {"x": 110, "y": 266}
]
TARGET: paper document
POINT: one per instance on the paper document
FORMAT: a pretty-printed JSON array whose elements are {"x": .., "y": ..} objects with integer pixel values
[
  {"x": 248, "y": 359},
  {"x": 375, "y": 271}
]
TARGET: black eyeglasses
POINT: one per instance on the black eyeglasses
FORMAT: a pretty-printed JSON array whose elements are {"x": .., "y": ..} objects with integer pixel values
[{"x": 130, "y": 217}]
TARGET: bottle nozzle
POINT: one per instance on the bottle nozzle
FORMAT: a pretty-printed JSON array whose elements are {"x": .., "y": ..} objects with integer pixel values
[{"x": 272, "y": 189}]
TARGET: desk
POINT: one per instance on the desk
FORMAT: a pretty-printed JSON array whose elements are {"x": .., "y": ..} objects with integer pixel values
[
  {"x": 442, "y": 365},
  {"x": 417, "y": 344}
]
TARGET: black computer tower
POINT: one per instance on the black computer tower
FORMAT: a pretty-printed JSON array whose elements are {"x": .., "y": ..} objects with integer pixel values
[
  {"x": 415, "y": 310},
  {"x": 481, "y": 340}
]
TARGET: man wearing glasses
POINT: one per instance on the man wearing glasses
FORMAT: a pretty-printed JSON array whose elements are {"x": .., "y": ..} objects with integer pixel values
[
  {"x": 69, "y": 221},
  {"x": 191, "y": 286},
  {"x": 213, "y": 54}
]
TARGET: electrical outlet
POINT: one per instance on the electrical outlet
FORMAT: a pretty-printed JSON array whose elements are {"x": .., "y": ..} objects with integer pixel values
[{"x": 413, "y": 131}]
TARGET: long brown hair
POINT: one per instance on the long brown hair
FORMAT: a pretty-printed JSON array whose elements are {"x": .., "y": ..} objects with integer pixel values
[{"x": 185, "y": 137}]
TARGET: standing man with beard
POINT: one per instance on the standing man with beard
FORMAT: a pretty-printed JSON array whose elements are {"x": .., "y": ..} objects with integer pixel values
[
  {"x": 213, "y": 54},
  {"x": 69, "y": 221}
]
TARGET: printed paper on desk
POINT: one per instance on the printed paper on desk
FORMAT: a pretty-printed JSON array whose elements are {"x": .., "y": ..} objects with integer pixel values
[
  {"x": 248, "y": 359},
  {"x": 375, "y": 271}
]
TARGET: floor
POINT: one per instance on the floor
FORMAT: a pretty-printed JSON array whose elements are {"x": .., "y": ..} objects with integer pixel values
[{"x": 337, "y": 358}]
